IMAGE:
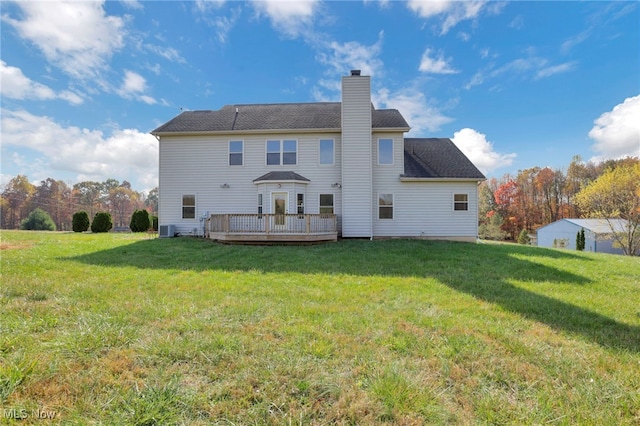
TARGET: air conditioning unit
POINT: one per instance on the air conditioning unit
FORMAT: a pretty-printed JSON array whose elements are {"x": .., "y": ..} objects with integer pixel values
[{"x": 167, "y": 231}]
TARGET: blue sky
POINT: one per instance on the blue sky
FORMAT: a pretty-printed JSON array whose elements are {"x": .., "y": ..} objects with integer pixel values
[{"x": 514, "y": 84}]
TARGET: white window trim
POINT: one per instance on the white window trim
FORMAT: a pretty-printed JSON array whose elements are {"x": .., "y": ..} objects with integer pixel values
[
  {"x": 333, "y": 160},
  {"x": 453, "y": 202},
  {"x": 393, "y": 205},
  {"x": 393, "y": 143},
  {"x": 281, "y": 152},
  {"x": 333, "y": 195},
  {"x": 229, "y": 153}
]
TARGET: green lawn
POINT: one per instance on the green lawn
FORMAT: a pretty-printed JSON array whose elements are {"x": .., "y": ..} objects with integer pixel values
[{"x": 127, "y": 329}]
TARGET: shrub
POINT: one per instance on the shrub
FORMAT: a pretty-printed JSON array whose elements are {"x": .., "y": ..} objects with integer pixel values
[
  {"x": 580, "y": 241},
  {"x": 523, "y": 237},
  {"x": 38, "y": 220},
  {"x": 140, "y": 221},
  {"x": 80, "y": 221},
  {"x": 154, "y": 223},
  {"x": 102, "y": 222}
]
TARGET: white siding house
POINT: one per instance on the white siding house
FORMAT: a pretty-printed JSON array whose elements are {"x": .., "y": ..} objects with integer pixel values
[
  {"x": 274, "y": 167},
  {"x": 597, "y": 234}
]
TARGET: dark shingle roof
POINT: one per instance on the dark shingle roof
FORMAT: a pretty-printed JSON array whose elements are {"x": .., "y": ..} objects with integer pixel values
[
  {"x": 279, "y": 176},
  {"x": 437, "y": 158},
  {"x": 320, "y": 115}
]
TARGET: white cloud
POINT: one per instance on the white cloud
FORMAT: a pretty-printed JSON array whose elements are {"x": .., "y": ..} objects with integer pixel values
[
  {"x": 169, "y": 53},
  {"x": 530, "y": 67},
  {"x": 341, "y": 57},
  {"x": 203, "y": 5},
  {"x": 437, "y": 64},
  {"x": 288, "y": 17},
  {"x": 15, "y": 85},
  {"x": 556, "y": 69},
  {"x": 480, "y": 151},
  {"x": 415, "y": 108},
  {"x": 89, "y": 154},
  {"x": 76, "y": 36},
  {"x": 133, "y": 87},
  {"x": 452, "y": 11},
  {"x": 132, "y": 4},
  {"x": 429, "y": 8},
  {"x": 617, "y": 132}
]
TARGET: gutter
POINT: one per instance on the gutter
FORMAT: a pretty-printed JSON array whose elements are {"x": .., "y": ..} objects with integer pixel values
[
  {"x": 439, "y": 179},
  {"x": 271, "y": 131}
]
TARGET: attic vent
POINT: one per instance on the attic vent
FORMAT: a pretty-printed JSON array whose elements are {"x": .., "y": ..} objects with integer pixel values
[{"x": 355, "y": 72}]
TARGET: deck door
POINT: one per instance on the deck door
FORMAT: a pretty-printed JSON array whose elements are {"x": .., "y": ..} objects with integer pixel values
[{"x": 279, "y": 207}]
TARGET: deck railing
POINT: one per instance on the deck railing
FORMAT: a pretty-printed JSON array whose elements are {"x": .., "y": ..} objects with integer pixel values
[{"x": 239, "y": 223}]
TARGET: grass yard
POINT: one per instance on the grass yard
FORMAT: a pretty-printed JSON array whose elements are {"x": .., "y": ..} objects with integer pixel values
[{"x": 124, "y": 329}]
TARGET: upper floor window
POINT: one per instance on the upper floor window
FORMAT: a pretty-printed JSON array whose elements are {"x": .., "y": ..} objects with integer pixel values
[
  {"x": 188, "y": 206},
  {"x": 327, "y": 151},
  {"x": 385, "y": 151},
  {"x": 461, "y": 202},
  {"x": 236, "y": 153},
  {"x": 282, "y": 152}
]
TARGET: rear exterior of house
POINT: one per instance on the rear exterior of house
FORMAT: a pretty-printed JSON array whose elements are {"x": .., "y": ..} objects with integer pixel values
[
  {"x": 597, "y": 233},
  {"x": 327, "y": 169}
]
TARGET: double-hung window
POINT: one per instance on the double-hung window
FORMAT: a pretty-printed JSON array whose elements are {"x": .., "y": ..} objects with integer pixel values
[
  {"x": 460, "y": 202},
  {"x": 282, "y": 152},
  {"x": 385, "y": 206},
  {"x": 236, "y": 153},
  {"x": 385, "y": 151},
  {"x": 327, "y": 152},
  {"x": 300, "y": 203},
  {"x": 188, "y": 206},
  {"x": 326, "y": 203}
]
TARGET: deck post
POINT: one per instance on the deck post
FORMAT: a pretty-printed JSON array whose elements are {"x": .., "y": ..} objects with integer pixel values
[{"x": 308, "y": 222}]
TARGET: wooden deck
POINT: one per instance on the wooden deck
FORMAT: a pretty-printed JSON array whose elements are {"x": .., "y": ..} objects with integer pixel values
[{"x": 265, "y": 228}]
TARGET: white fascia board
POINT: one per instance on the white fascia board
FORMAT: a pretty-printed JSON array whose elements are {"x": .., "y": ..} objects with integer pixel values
[
  {"x": 281, "y": 181},
  {"x": 250, "y": 132}
]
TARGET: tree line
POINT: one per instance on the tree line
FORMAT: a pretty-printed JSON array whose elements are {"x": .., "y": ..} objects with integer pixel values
[
  {"x": 508, "y": 207},
  {"x": 61, "y": 200},
  {"x": 538, "y": 196}
]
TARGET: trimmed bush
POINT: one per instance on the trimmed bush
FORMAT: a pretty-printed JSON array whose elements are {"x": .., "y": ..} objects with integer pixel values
[
  {"x": 580, "y": 241},
  {"x": 80, "y": 221},
  {"x": 523, "y": 237},
  {"x": 38, "y": 220},
  {"x": 102, "y": 222},
  {"x": 140, "y": 221}
]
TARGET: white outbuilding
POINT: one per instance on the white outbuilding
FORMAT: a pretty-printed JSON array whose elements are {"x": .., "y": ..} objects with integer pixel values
[{"x": 597, "y": 234}]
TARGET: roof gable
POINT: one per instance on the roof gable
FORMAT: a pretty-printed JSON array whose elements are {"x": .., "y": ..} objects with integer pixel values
[{"x": 426, "y": 158}]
